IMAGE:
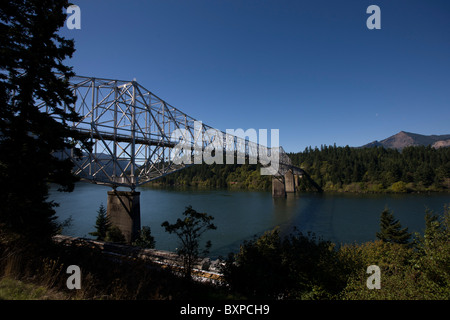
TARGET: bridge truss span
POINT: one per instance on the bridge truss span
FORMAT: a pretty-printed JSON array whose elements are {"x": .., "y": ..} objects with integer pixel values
[{"x": 134, "y": 135}]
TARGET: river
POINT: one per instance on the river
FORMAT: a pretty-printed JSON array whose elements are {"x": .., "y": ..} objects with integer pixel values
[{"x": 239, "y": 215}]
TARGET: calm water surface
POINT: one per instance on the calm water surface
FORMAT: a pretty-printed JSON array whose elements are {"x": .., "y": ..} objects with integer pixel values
[{"x": 239, "y": 215}]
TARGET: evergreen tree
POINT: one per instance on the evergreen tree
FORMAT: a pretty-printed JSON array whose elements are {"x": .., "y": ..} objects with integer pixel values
[
  {"x": 102, "y": 224},
  {"x": 391, "y": 229},
  {"x": 31, "y": 51},
  {"x": 145, "y": 239}
]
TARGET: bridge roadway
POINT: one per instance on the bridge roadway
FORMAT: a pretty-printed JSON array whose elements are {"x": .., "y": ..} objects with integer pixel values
[
  {"x": 284, "y": 160},
  {"x": 125, "y": 138}
]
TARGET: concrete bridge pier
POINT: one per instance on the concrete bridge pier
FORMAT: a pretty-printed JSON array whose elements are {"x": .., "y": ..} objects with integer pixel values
[
  {"x": 296, "y": 181},
  {"x": 278, "y": 189},
  {"x": 124, "y": 211},
  {"x": 286, "y": 184},
  {"x": 289, "y": 182}
]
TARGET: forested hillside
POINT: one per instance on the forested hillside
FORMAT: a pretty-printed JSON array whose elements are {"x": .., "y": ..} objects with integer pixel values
[
  {"x": 233, "y": 176},
  {"x": 342, "y": 169},
  {"x": 377, "y": 169}
]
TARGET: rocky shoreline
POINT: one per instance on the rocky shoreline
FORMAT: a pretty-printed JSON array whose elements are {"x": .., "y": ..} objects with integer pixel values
[{"x": 206, "y": 270}]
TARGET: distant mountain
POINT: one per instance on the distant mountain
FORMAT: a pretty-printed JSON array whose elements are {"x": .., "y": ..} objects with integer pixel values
[{"x": 406, "y": 139}]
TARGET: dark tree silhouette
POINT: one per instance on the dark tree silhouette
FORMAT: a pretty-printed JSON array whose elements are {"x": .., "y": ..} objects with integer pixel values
[
  {"x": 189, "y": 231},
  {"x": 31, "y": 55}
]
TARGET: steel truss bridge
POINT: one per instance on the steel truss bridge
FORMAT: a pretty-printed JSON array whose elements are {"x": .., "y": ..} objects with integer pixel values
[{"x": 134, "y": 135}]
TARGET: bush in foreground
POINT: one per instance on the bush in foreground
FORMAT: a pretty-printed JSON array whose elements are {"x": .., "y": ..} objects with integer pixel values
[{"x": 303, "y": 267}]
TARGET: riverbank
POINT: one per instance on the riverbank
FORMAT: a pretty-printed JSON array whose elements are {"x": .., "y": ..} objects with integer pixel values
[
  {"x": 395, "y": 188},
  {"x": 206, "y": 270},
  {"x": 399, "y": 187}
]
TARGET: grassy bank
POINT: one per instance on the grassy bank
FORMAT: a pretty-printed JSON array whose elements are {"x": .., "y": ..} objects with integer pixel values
[{"x": 13, "y": 289}]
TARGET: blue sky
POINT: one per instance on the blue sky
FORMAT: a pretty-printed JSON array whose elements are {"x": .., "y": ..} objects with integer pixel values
[{"x": 311, "y": 69}]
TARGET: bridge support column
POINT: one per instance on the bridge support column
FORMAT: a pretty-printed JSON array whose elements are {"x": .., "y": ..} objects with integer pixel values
[
  {"x": 278, "y": 189},
  {"x": 289, "y": 182},
  {"x": 296, "y": 181},
  {"x": 124, "y": 211}
]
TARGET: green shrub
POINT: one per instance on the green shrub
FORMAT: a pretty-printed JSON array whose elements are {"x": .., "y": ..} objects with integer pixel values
[
  {"x": 293, "y": 267},
  {"x": 399, "y": 187}
]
